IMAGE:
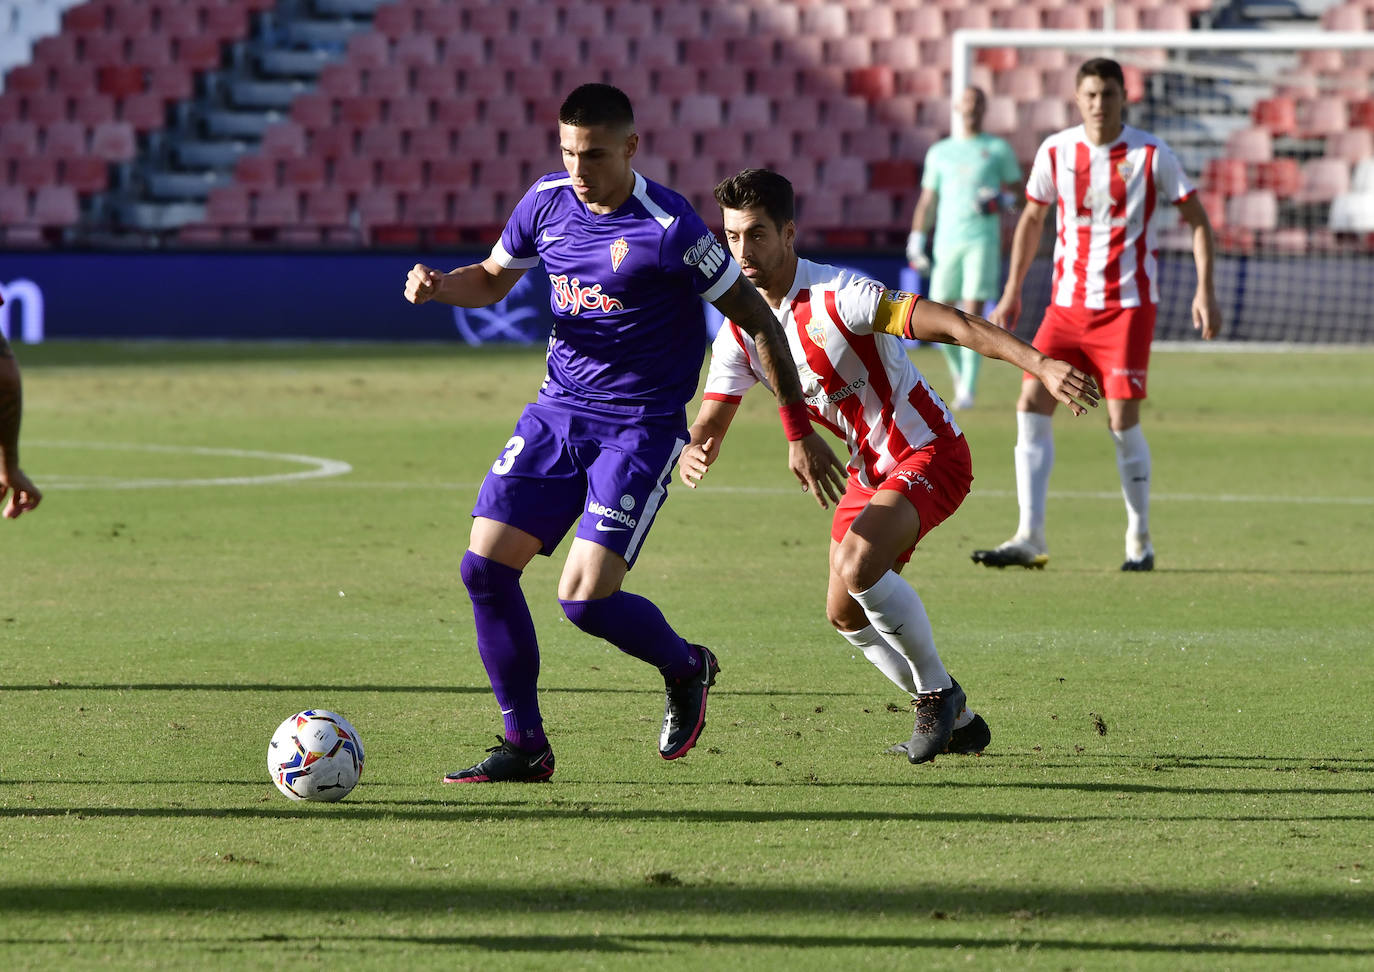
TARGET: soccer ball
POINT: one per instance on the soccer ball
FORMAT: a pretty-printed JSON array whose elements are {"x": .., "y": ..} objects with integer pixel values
[{"x": 315, "y": 755}]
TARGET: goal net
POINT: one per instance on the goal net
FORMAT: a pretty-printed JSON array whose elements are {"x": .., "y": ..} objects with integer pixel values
[{"x": 1276, "y": 130}]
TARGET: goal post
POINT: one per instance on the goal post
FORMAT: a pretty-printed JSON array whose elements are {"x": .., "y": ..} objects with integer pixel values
[{"x": 1275, "y": 129}]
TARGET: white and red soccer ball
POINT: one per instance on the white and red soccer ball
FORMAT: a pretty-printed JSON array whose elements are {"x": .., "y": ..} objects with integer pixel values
[{"x": 315, "y": 755}]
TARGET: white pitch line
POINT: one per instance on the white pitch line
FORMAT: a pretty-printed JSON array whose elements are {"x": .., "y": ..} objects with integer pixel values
[
  {"x": 320, "y": 468},
  {"x": 979, "y": 493}
]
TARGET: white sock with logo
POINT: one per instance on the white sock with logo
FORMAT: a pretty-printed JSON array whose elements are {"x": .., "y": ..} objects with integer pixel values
[
  {"x": 1034, "y": 456},
  {"x": 1133, "y": 463},
  {"x": 896, "y": 611},
  {"x": 884, "y": 657}
]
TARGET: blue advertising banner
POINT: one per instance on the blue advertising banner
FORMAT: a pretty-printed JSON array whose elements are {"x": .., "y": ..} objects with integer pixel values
[{"x": 263, "y": 296}]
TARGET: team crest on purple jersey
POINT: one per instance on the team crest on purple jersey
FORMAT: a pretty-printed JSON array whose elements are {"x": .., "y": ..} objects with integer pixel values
[
  {"x": 630, "y": 343},
  {"x": 619, "y": 250}
]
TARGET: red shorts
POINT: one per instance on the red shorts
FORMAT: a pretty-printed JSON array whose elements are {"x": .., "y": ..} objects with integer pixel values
[
  {"x": 1111, "y": 345},
  {"x": 934, "y": 478}
]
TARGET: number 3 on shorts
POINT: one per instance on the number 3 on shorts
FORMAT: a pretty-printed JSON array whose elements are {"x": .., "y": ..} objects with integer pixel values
[{"x": 503, "y": 465}]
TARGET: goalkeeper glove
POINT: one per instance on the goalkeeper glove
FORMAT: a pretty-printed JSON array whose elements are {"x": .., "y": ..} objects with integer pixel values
[{"x": 916, "y": 252}]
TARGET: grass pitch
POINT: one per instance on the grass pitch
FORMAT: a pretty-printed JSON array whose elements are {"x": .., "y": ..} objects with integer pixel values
[{"x": 1181, "y": 768}]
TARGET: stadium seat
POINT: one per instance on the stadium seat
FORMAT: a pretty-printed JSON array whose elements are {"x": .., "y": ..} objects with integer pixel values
[
  {"x": 146, "y": 112},
  {"x": 326, "y": 207},
  {"x": 256, "y": 171},
  {"x": 395, "y": 21},
  {"x": 1362, "y": 180},
  {"x": 1067, "y": 18},
  {"x": 777, "y": 20},
  {"x": 227, "y": 206},
  {"x": 306, "y": 172},
  {"x": 848, "y": 52},
  {"x": 1322, "y": 116},
  {"x": 1023, "y": 83},
  {"x": 353, "y": 172},
  {"x": 894, "y": 174},
  {"x": 898, "y": 112},
  {"x": 451, "y": 173},
  {"x": 1250, "y": 145},
  {"x": 726, "y": 147},
  {"x": 1000, "y": 118},
  {"x": 1254, "y": 210},
  {"x": 683, "y": 20},
  {"x": 699, "y": 111},
  {"x": 55, "y": 206},
  {"x": 749, "y": 111},
  {"x": 380, "y": 141},
  {"x": 276, "y": 207},
  {"x": 840, "y": 174},
  {"x": 63, "y": 138},
  {"x": 871, "y": 83},
  {"x": 402, "y": 174},
  {"x": 825, "y": 20},
  {"x": 1227, "y": 177},
  {"x": 1352, "y": 212},
  {"x": 795, "y": 52},
  {"x": 1047, "y": 115},
  {"x": 1164, "y": 18},
  {"x": 18, "y": 139},
  {"x": 1362, "y": 113},
  {"x": 898, "y": 53},
  {"x": 200, "y": 53},
  {"x": 672, "y": 81},
  {"x": 360, "y": 111},
  {"x": 1020, "y": 17},
  {"x": 631, "y": 20},
  {"x": 1323, "y": 179},
  {"x": 1277, "y": 115},
  {"x": 378, "y": 207},
  {"x": 14, "y": 206},
  {"x": 284, "y": 139},
  {"x": 387, "y": 81},
  {"x": 86, "y": 174},
  {"x": 1283, "y": 176},
  {"x": 34, "y": 172},
  {"x": 1345, "y": 18},
  {"x": 103, "y": 50},
  {"x": 332, "y": 142},
  {"x": 1352, "y": 145},
  {"x": 656, "y": 51}
]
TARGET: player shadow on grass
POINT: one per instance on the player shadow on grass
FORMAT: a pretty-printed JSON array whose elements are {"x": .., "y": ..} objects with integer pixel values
[
  {"x": 681, "y": 901},
  {"x": 385, "y": 689}
]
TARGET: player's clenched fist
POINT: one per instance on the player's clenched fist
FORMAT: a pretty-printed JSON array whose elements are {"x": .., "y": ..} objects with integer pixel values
[{"x": 422, "y": 284}]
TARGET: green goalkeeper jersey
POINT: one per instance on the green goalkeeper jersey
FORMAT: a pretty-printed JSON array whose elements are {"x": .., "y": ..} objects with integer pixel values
[{"x": 958, "y": 170}]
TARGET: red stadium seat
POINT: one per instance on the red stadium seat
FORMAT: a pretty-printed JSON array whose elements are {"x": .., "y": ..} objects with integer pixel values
[
  {"x": 200, "y": 53},
  {"x": 1323, "y": 116},
  {"x": 387, "y": 81},
  {"x": 820, "y": 210},
  {"x": 45, "y": 108},
  {"x": 873, "y": 83},
  {"x": 840, "y": 174},
  {"x": 477, "y": 210},
  {"x": 801, "y": 51},
  {"x": 402, "y": 174},
  {"x": 227, "y": 206},
  {"x": 1225, "y": 177},
  {"x": 326, "y": 207},
  {"x": 18, "y": 140},
  {"x": 1283, "y": 176},
  {"x": 513, "y": 52},
  {"x": 312, "y": 110},
  {"x": 369, "y": 50},
  {"x": 332, "y": 142},
  {"x": 84, "y": 18},
  {"x": 354, "y": 172},
  {"x": 491, "y": 20},
  {"x": 33, "y": 172},
  {"x": 74, "y": 80},
  {"x": 894, "y": 174},
  {"x": 824, "y": 20},
  {"x": 256, "y": 172},
  {"x": 1047, "y": 115},
  {"x": 131, "y": 19},
  {"x": 1362, "y": 113},
  {"x": 673, "y": 81},
  {"x": 1255, "y": 210},
  {"x": 699, "y": 111},
  {"x": 98, "y": 50},
  {"x": 456, "y": 112},
  {"x": 537, "y": 20},
  {"x": 283, "y": 140},
  {"x": 93, "y": 109},
  {"x": 444, "y": 21},
  {"x": 360, "y": 111},
  {"x": 14, "y": 206},
  {"x": 899, "y": 111},
  {"x": 410, "y": 112},
  {"x": 415, "y": 50},
  {"x": 1067, "y": 18},
  {"x": 120, "y": 80},
  {"x": 1000, "y": 118},
  {"x": 56, "y": 206},
  {"x": 342, "y": 80},
  {"x": 451, "y": 173},
  {"x": 276, "y": 207},
  {"x": 1250, "y": 145},
  {"x": 305, "y": 172},
  {"x": 821, "y": 80},
  {"x": 226, "y": 22},
  {"x": 873, "y": 21},
  {"x": 380, "y": 142},
  {"x": 1277, "y": 115},
  {"x": 631, "y": 20},
  {"x": 114, "y": 141},
  {"x": 86, "y": 174},
  {"x": 684, "y": 20},
  {"x": 657, "y": 51},
  {"x": 396, "y": 21},
  {"x": 1023, "y": 83},
  {"x": 64, "y": 138},
  {"x": 178, "y": 20},
  {"x": 1323, "y": 179},
  {"x": 1164, "y": 18},
  {"x": 378, "y": 207},
  {"x": 433, "y": 142},
  {"x": 145, "y": 112},
  {"x": 1353, "y": 145},
  {"x": 749, "y": 111},
  {"x": 848, "y": 52}
]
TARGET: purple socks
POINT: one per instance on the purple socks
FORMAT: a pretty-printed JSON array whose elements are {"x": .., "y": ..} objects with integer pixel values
[
  {"x": 637, "y": 627},
  {"x": 508, "y": 646}
]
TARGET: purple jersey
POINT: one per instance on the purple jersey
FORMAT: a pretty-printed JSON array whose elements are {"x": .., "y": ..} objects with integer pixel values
[{"x": 629, "y": 332}]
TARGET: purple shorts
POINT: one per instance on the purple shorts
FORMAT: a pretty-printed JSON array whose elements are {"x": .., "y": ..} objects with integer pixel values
[{"x": 561, "y": 467}]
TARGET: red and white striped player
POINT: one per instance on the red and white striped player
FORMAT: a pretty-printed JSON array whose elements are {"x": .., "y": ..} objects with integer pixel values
[
  {"x": 909, "y": 465},
  {"x": 1108, "y": 183}
]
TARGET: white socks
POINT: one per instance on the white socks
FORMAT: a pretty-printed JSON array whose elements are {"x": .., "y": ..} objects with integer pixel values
[
  {"x": 1133, "y": 462},
  {"x": 1034, "y": 455},
  {"x": 884, "y": 657},
  {"x": 896, "y": 611}
]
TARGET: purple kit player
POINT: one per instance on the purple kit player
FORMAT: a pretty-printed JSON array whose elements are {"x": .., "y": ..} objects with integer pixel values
[{"x": 629, "y": 261}]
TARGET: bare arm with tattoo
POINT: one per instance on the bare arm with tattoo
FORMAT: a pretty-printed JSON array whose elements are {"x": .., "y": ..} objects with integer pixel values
[
  {"x": 22, "y": 493},
  {"x": 808, "y": 456}
]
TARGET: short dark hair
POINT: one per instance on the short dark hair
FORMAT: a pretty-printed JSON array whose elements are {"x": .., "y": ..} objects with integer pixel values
[
  {"x": 763, "y": 188},
  {"x": 1101, "y": 67},
  {"x": 597, "y": 104}
]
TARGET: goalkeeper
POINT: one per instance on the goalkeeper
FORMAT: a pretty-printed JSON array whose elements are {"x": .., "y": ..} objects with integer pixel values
[{"x": 967, "y": 183}]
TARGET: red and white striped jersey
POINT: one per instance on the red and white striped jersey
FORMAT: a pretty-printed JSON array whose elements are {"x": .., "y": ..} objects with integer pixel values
[
  {"x": 1108, "y": 197},
  {"x": 860, "y": 385}
]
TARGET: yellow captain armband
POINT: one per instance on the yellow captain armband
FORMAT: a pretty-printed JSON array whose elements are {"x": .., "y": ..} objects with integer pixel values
[{"x": 893, "y": 315}]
